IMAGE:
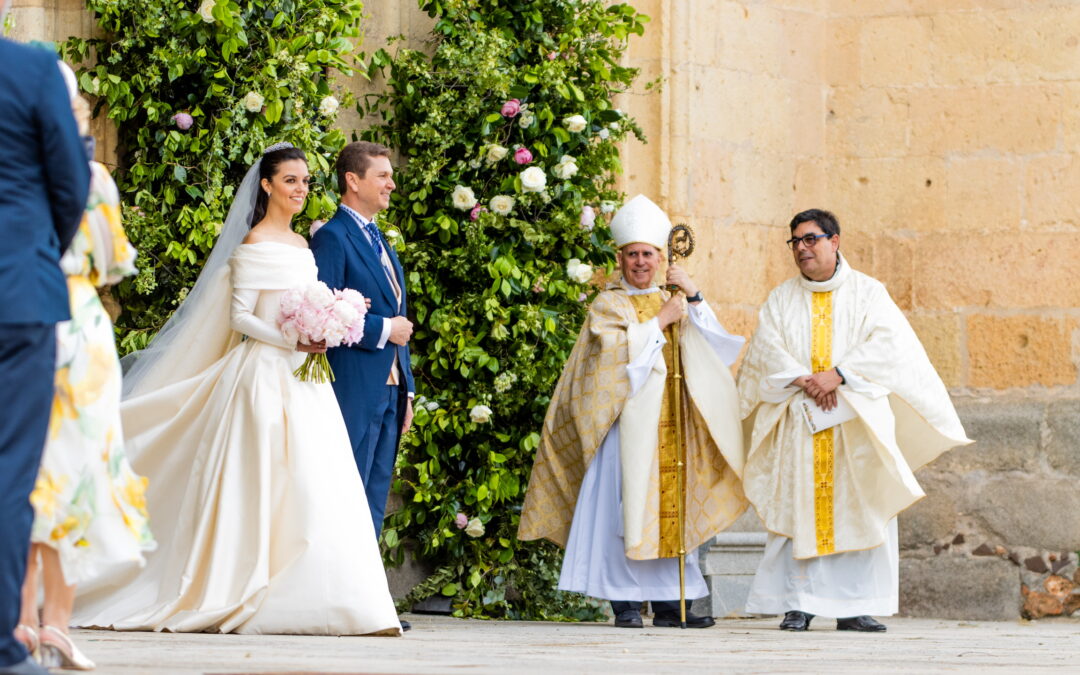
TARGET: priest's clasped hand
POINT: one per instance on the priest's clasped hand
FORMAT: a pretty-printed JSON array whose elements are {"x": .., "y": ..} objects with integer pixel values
[{"x": 821, "y": 387}]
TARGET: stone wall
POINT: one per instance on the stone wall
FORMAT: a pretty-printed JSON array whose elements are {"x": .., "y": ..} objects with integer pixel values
[{"x": 945, "y": 134}]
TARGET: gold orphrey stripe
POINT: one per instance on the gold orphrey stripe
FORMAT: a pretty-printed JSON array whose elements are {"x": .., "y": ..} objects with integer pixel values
[{"x": 821, "y": 360}]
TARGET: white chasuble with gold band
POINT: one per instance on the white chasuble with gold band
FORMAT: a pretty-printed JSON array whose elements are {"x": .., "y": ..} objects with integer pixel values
[
  {"x": 617, "y": 372},
  {"x": 837, "y": 490}
]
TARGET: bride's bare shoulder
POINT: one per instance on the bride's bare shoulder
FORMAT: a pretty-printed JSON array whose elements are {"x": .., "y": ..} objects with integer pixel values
[{"x": 259, "y": 235}]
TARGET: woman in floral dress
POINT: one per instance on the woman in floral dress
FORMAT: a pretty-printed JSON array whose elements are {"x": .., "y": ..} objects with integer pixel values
[{"x": 89, "y": 506}]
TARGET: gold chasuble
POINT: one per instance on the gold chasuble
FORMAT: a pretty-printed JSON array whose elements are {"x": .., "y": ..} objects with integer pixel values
[{"x": 594, "y": 391}]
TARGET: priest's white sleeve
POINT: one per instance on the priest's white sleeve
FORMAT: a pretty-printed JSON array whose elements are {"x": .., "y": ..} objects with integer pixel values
[{"x": 726, "y": 345}]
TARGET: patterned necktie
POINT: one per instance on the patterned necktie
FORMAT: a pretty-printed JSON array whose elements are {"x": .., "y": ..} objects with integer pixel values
[{"x": 373, "y": 235}]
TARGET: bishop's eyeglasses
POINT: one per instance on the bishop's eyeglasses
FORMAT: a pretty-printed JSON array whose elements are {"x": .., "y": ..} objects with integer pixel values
[{"x": 808, "y": 241}]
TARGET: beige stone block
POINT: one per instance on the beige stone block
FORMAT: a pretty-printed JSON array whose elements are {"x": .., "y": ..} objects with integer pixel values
[
  {"x": 1070, "y": 116},
  {"x": 751, "y": 37},
  {"x": 802, "y": 56},
  {"x": 1005, "y": 118},
  {"x": 706, "y": 40},
  {"x": 943, "y": 338},
  {"x": 894, "y": 195},
  {"x": 893, "y": 263},
  {"x": 1020, "y": 45},
  {"x": 1052, "y": 191},
  {"x": 805, "y": 119},
  {"x": 723, "y": 104},
  {"x": 894, "y": 51},
  {"x": 867, "y": 121},
  {"x": 842, "y": 56},
  {"x": 1020, "y": 351},
  {"x": 811, "y": 184},
  {"x": 709, "y": 184},
  {"x": 731, "y": 261},
  {"x": 983, "y": 193},
  {"x": 1001, "y": 270},
  {"x": 762, "y": 187}
]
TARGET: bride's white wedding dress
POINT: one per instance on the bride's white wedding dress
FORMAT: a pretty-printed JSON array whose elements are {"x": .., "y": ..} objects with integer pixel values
[{"x": 254, "y": 495}]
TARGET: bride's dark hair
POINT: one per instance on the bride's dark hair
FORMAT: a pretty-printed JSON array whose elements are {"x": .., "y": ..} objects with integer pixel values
[{"x": 268, "y": 168}]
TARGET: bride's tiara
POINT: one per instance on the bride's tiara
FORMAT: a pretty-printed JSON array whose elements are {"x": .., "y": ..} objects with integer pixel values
[{"x": 277, "y": 146}]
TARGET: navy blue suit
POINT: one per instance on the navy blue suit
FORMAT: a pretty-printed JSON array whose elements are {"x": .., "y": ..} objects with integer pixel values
[
  {"x": 373, "y": 410},
  {"x": 44, "y": 181}
]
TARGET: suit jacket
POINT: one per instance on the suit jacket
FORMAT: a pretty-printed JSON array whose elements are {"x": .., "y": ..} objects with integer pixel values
[
  {"x": 346, "y": 259},
  {"x": 44, "y": 183}
]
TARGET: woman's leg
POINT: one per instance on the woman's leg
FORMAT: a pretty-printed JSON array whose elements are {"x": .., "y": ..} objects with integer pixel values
[
  {"x": 27, "y": 630},
  {"x": 59, "y": 596}
]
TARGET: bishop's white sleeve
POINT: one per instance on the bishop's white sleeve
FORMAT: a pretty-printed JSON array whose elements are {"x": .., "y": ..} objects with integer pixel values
[
  {"x": 244, "y": 319},
  {"x": 639, "y": 368},
  {"x": 726, "y": 345}
]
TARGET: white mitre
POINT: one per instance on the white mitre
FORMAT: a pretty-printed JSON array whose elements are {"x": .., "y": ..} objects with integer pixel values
[{"x": 640, "y": 221}]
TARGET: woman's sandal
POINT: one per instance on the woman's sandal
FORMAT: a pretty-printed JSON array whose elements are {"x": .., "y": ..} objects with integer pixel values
[
  {"x": 58, "y": 651},
  {"x": 30, "y": 641}
]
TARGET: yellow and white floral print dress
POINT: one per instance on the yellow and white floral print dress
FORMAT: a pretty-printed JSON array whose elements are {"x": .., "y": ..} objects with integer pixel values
[{"x": 88, "y": 502}]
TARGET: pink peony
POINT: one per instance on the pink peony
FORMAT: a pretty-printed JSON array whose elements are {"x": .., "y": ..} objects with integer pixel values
[
  {"x": 511, "y": 108},
  {"x": 461, "y": 521},
  {"x": 314, "y": 313},
  {"x": 183, "y": 120},
  {"x": 523, "y": 156},
  {"x": 475, "y": 213}
]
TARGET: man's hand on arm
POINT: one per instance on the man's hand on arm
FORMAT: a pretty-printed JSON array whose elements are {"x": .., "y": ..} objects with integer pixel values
[
  {"x": 400, "y": 330},
  {"x": 822, "y": 388}
]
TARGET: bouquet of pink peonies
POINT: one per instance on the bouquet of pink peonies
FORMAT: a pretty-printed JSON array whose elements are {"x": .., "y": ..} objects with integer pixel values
[{"x": 313, "y": 314}]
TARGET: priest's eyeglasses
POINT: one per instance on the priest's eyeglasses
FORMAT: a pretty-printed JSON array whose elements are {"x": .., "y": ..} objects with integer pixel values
[{"x": 808, "y": 241}]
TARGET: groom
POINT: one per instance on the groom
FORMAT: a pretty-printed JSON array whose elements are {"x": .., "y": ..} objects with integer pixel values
[{"x": 374, "y": 381}]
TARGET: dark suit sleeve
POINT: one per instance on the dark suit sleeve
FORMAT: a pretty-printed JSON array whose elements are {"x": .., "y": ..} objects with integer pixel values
[{"x": 67, "y": 168}]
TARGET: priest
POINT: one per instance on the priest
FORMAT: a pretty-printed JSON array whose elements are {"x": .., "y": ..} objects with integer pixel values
[
  {"x": 840, "y": 406},
  {"x": 605, "y": 481}
]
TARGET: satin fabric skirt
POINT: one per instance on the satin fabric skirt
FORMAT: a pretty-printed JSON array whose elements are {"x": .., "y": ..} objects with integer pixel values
[
  {"x": 260, "y": 512},
  {"x": 595, "y": 562},
  {"x": 840, "y": 585}
]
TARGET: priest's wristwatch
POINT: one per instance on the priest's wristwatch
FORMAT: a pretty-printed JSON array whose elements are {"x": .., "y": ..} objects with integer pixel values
[{"x": 696, "y": 297}]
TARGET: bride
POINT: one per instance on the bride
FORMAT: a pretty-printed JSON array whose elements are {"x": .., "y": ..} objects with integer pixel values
[{"x": 260, "y": 512}]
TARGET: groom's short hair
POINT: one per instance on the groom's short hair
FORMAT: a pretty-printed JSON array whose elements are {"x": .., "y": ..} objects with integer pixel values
[{"x": 356, "y": 158}]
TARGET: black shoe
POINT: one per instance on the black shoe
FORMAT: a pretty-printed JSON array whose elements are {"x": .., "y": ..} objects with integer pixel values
[
  {"x": 405, "y": 626},
  {"x": 628, "y": 618},
  {"x": 671, "y": 620},
  {"x": 796, "y": 620},
  {"x": 862, "y": 624}
]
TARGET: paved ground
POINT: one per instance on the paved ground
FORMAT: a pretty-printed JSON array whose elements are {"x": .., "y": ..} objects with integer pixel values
[{"x": 445, "y": 645}]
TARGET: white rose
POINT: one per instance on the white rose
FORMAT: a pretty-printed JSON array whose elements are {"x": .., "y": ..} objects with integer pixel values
[
  {"x": 502, "y": 204},
  {"x": 566, "y": 168},
  {"x": 495, "y": 153},
  {"x": 475, "y": 528},
  {"x": 474, "y": 164},
  {"x": 607, "y": 207},
  {"x": 432, "y": 406},
  {"x": 614, "y": 126},
  {"x": 206, "y": 11},
  {"x": 579, "y": 271},
  {"x": 328, "y": 106},
  {"x": 575, "y": 123},
  {"x": 463, "y": 198},
  {"x": 253, "y": 102},
  {"x": 525, "y": 120},
  {"x": 480, "y": 414},
  {"x": 392, "y": 234},
  {"x": 603, "y": 134},
  {"x": 533, "y": 179}
]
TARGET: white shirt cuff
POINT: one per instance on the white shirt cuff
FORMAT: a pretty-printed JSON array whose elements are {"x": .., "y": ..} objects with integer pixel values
[{"x": 385, "y": 333}]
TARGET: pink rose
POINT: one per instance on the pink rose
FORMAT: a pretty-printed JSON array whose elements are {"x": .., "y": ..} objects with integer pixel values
[
  {"x": 552, "y": 56},
  {"x": 588, "y": 217},
  {"x": 461, "y": 521},
  {"x": 183, "y": 120},
  {"x": 475, "y": 213},
  {"x": 523, "y": 156},
  {"x": 511, "y": 108}
]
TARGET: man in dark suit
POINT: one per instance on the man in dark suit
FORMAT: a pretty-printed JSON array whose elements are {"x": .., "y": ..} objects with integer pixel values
[
  {"x": 374, "y": 381},
  {"x": 44, "y": 182}
]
